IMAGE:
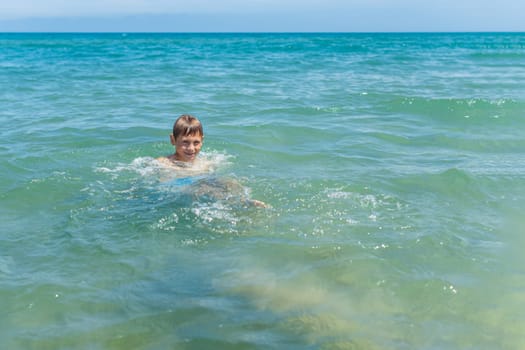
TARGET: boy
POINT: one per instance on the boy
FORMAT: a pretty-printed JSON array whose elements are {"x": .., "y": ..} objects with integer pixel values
[{"x": 187, "y": 138}]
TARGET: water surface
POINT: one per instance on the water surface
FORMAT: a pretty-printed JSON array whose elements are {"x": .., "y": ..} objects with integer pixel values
[{"x": 393, "y": 164}]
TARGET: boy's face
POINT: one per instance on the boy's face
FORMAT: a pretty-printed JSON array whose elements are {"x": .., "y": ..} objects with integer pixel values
[{"x": 187, "y": 147}]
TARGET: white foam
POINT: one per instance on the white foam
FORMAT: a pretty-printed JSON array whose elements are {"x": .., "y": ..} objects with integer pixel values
[
  {"x": 212, "y": 212},
  {"x": 364, "y": 200},
  {"x": 142, "y": 165},
  {"x": 152, "y": 168}
]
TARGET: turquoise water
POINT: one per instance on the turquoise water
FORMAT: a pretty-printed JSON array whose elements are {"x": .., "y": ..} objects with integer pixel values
[{"x": 393, "y": 163}]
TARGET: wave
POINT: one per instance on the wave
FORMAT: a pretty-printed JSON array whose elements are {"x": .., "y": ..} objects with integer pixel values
[
  {"x": 456, "y": 110},
  {"x": 183, "y": 200},
  {"x": 450, "y": 185},
  {"x": 517, "y": 56}
]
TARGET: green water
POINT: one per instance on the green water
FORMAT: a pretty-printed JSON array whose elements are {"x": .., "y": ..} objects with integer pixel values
[{"x": 393, "y": 164}]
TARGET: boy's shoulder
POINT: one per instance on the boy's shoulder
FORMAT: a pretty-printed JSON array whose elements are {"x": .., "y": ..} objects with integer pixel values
[
  {"x": 168, "y": 160},
  {"x": 199, "y": 166}
]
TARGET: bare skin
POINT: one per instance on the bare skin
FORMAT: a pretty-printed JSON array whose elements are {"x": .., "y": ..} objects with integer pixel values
[{"x": 187, "y": 147}]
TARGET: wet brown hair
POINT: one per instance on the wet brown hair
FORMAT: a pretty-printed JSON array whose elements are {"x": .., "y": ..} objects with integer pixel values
[{"x": 187, "y": 125}]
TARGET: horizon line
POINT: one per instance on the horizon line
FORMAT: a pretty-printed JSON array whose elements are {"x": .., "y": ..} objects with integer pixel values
[{"x": 268, "y": 32}]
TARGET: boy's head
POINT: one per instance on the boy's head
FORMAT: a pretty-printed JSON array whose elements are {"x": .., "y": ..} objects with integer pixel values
[
  {"x": 187, "y": 138},
  {"x": 187, "y": 125}
]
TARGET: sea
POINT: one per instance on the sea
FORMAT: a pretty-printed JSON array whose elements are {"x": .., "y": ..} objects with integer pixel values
[{"x": 392, "y": 166}]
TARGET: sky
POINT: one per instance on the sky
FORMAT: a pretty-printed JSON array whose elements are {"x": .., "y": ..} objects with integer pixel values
[{"x": 261, "y": 15}]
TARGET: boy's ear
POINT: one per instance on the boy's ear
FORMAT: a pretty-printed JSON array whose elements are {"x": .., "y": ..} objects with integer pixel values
[{"x": 172, "y": 139}]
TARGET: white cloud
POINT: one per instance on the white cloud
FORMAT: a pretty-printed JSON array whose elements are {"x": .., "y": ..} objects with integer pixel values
[
  {"x": 343, "y": 14},
  {"x": 58, "y": 8},
  {"x": 87, "y": 8}
]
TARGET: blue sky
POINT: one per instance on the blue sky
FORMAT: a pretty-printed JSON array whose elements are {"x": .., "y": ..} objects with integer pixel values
[{"x": 262, "y": 15}]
